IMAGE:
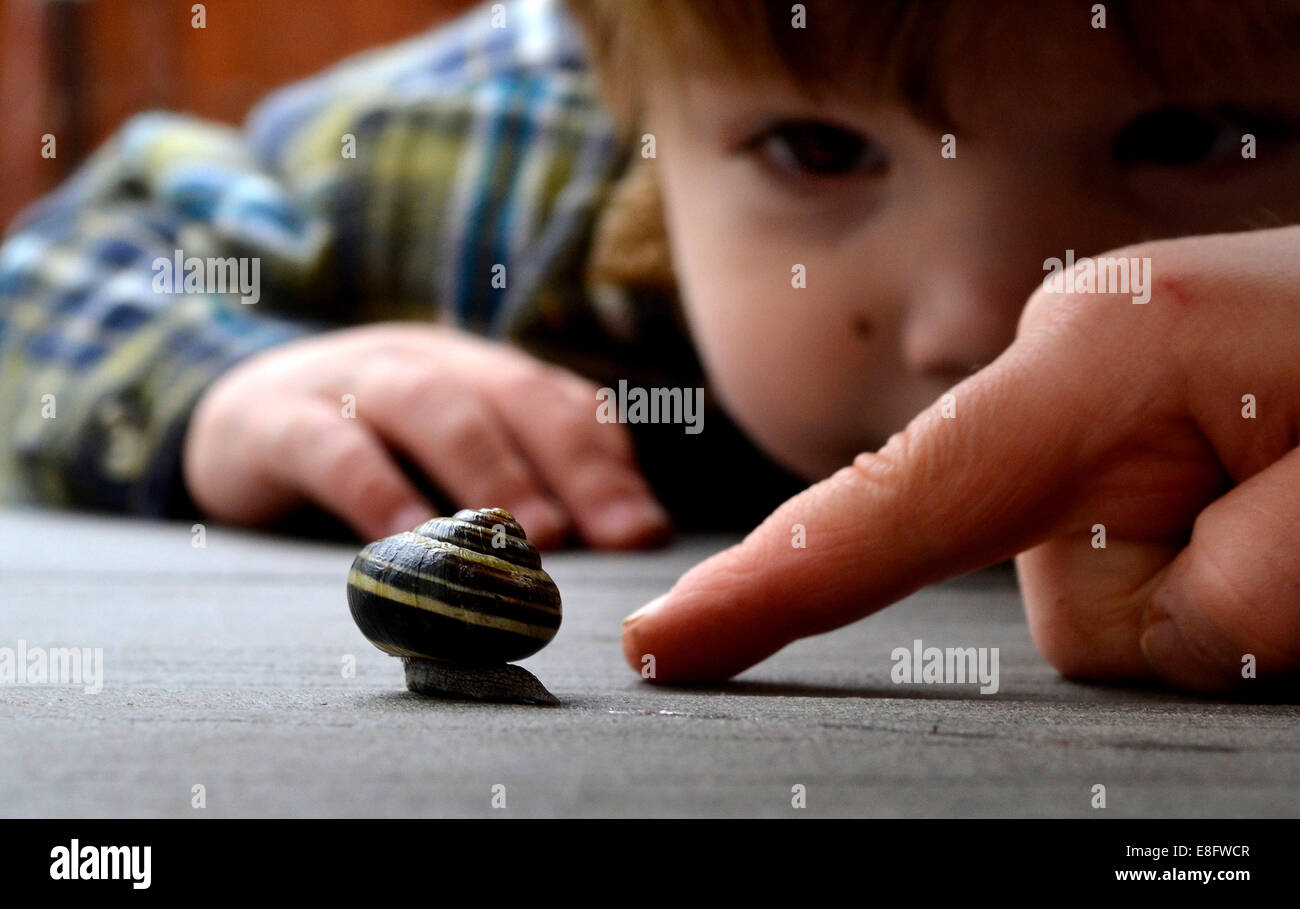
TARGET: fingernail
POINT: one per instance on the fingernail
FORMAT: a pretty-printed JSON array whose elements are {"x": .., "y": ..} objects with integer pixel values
[
  {"x": 644, "y": 611},
  {"x": 632, "y": 516},
  {"x": 541, "y": 518},
  {"x": 1174, "y": 657},
  {"x": 1162, "y": 643},
  {"x": 409, "y": 517}
]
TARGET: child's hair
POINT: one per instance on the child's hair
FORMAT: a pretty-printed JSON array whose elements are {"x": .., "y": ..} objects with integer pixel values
[{"x": 906, "y": 49}]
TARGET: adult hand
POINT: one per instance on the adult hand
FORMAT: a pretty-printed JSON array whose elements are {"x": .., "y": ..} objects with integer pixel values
[{"x": 1173, "y": 424}]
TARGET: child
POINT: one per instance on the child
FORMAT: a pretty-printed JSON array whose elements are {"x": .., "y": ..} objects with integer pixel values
[{"x": 858, "y": 199}]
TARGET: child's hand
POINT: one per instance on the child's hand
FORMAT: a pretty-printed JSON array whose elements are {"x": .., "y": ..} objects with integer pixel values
[
  {"x": 1101, "y": 412},
  {"x": 489, "y": 425}
]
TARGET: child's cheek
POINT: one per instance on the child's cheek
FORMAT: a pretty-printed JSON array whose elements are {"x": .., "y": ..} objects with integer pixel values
[
  {"x": 788, "y": 368},
  {"x": 771, "y": 316}
]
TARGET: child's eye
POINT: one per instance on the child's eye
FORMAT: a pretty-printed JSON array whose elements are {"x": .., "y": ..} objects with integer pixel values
[
  {"x": 1184, "y": 137},
  {"x": 809, "y": 148}
]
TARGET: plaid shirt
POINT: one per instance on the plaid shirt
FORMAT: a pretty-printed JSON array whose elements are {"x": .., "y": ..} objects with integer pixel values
[{"x": 474, "y": 147}]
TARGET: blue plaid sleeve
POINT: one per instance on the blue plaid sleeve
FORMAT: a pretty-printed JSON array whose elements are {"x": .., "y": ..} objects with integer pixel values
[
  {"x": 442, "y": 178},
  {"x": 102, "y": 352}
]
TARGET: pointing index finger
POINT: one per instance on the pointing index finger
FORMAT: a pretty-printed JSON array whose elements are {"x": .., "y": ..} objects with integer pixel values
[{"x": 981, "y": 475}]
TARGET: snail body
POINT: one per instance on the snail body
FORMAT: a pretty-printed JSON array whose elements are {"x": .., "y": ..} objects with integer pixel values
[{"x": 457, "y": 598}]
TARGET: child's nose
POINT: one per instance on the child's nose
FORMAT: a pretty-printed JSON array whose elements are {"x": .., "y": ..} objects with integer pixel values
[
  {"x": 959, "y": 319},
  {"x": 969, "y": 280},
  {"x": 967, "y": 269}
]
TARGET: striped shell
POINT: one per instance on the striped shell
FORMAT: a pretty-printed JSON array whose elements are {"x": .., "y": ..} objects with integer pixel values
[{"x": 444, "y": 591}]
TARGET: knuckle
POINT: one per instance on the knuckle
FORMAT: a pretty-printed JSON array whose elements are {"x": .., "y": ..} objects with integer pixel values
[
  {"x": 1036, "y": 310},
  {"x": 372, "y": 490},
  {"x": 500, "y": 474},
  {"x": 411, "y": 390},
  {"x": 297, "y": 434},
  {"x": 883, "y": 472},
  {"x": 586, "y": 439},
  {"x": 508, "y": 490},
  {"x": 598, "y": 483},
  {"x": 1099, "y": 289},
  {"x": 386, "y": 377},
  {"x": 571, "y": 383},
  {"x": 463, "y": 428},
  {"x": 530, "y": 373},
  {"x": 617, "y": 442},
  {"x": 348, "y": 463},
  {"x": 529, "y": 380}
]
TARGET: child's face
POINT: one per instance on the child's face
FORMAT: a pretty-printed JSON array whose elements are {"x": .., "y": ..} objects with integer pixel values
[{"x": 917, "y": 265}]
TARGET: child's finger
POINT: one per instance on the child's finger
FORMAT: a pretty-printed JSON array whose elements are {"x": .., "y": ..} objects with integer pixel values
[
  {"x": 1227, "y": 611},
  {"x": 590, "y": 466},
  {"x": 458, "y": 440},
  {"x": 343, "y": 467}
]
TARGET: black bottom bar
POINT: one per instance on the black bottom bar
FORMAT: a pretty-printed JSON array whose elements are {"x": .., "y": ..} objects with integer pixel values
[{"x": 642, "y": 858}]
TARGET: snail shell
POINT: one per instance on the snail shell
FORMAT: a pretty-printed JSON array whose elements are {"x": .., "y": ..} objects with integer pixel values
[{"x": 468, "y": 589}]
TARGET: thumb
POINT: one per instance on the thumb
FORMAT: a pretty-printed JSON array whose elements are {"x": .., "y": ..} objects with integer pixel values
[
  {"x": 979, "y": 476},
  {"x": 1227, "y": 610}
]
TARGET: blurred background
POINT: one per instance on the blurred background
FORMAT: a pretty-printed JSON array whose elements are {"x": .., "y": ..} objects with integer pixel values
[{"x": 78, "y": 68}]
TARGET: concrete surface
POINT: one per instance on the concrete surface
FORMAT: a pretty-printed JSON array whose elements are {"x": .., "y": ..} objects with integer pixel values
[{"x": 223, "y": 668}]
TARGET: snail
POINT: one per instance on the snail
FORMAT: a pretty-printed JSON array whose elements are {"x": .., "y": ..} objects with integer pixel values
[{"x": 459, "y": 599}]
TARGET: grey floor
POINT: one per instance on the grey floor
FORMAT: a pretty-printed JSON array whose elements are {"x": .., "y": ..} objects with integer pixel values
[{"x": 224, "y": 669}]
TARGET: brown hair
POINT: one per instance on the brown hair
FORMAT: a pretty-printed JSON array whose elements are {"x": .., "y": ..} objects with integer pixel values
[{"x": 907, "y": 49}]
